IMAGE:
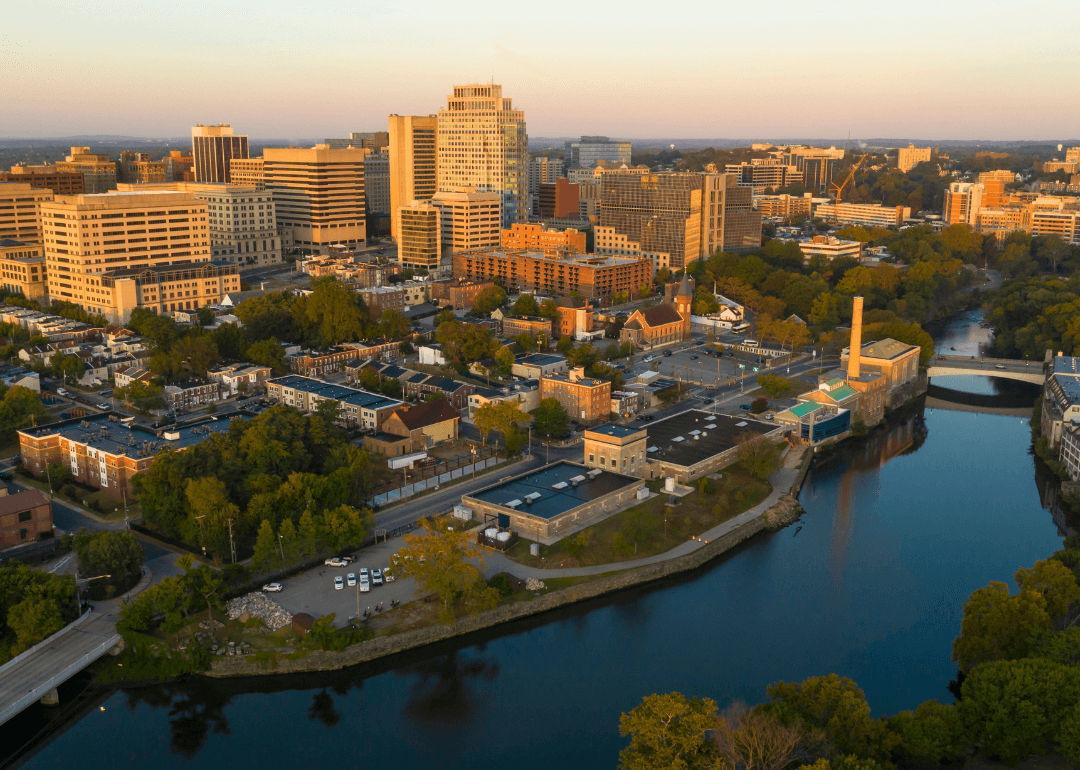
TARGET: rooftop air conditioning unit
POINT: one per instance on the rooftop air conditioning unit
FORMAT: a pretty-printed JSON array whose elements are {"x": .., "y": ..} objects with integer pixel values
[
  {"x": 513, "y": 503},
  {"x": 559, "y": 485}
]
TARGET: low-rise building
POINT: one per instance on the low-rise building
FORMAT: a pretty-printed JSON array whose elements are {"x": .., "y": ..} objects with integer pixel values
[
  {"x": 525, "y": 395},
  {"x": 897, "y": 361},
  {"x": 695, "y": 443},
  {"x": 357, "y": 408},
  {"x": 22, "y": 269},
  {"x": 25, "y": 516},
  {"x": 816, "y": 423},
  {"x": 240, "y": 378},
  {"x": 514, "y": 325},
  {"x": 1061, "y": 399},
  {"x": 829, "y": 247},
  {"x": 585, "y": 399},
  {"x": 431, "y": 355},
  {"x": 191, "y": 394},
  {"x": 617, "y": 448},
  {"x": 537, "y": 365},
  {"x": 866, "y": 214},
  {"x": 536, "y": 237},
  {"x": 421, "y": 385},
  {"x": 458, "y": 294},
  {"x": 423, "y": 426},
  {"x": 318, "y": 363},
  {"x": 553, "y": 502}
]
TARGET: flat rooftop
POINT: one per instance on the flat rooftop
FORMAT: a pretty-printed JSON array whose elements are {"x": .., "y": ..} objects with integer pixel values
[
  {"x": 540, "y": 359},
  {"x": 615, "y": 430},
  {"x": 552, "y": 489},
  {"x": 342, "y": 393},
  {"x": 691, "y": 437},
  {"x": 106, "y": 433}
]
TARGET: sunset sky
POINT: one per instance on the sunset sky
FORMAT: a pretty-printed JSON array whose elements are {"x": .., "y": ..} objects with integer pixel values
[{"x": 941, "y": 70}]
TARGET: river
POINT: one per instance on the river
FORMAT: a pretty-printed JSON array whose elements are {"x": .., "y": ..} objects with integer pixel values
[{"x": 898, "y": 530}]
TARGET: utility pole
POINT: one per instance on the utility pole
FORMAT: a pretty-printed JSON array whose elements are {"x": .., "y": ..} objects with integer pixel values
[
  {"x": 281, "y": 549},
  {"x": 202, "y": 540},
  {"x": 232, "y": 545}
]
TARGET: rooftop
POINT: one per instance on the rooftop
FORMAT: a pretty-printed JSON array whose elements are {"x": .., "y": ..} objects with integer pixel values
[
  {"x": 887, "y": 349},
  {"x": 805, "y": 408},
  {"x": 342, "y": 393},
  {"x": 1066, "y": 365},
  {"x": 106, "y": 433},
  {"x": 540, "y": 359},
  {"x": 615, "y": 430},
  {"x": 554, "y": 489},
  {"x": 691, "y": 437},
  {"x": 428, "y": 413}
]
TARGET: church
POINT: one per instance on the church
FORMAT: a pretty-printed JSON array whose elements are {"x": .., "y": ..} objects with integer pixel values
[{"x": 661, "y": 324}]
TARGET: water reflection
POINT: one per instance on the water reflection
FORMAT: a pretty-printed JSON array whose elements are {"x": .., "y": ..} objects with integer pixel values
[
  {"x": 194, "y": 713},
  {"x": 322, "y": 708},
  {"x": 448, "y": 687}
]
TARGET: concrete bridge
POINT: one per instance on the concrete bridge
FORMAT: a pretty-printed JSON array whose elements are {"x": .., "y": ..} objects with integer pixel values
[
  {"x": 1005, "y": 368},
  {"x": 36, "y": 673}
]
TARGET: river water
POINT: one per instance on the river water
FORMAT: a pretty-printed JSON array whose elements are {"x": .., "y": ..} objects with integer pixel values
[{"x": 898, "y": 530}]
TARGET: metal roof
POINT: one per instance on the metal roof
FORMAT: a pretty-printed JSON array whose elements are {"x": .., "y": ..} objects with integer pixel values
[{"x": 554, "y": 489}]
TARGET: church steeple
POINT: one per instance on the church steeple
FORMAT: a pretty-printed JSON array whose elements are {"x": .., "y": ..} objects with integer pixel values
[{"x": 684, "y": 298}]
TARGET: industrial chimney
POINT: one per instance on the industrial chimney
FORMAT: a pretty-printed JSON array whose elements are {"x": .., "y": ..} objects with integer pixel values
[{"x": 855, "y": 346}]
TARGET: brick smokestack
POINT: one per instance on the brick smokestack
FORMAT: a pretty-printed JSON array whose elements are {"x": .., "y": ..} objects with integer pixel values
[{"x": 855, "y": 347}]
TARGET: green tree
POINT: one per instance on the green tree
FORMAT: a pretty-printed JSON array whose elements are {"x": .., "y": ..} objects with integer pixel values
[
  {"x": 32, "y": 620},
  {"x": 639, "y": 527},
  {"x": 307, "y": 535},
  {"x": 445, "y": 564},
  {"x": 266, "y": 554},
  {"x": 210, "y": 510},
  {"x": 998, "y": 626},
  {"x": 1055, "y": 582},
  {"x": 268, "y": 352},
  {"x": 549, "y": 309},
  {"x": 526, "y": 305},
  {"x": 19, "y": 408},
  {"x": 757, "y": 454},
  {"x": 933, "y": 733},
  {"x": 69, "y": 367},
  {"x": 668, "y": 731},
  {"x": 488, "y": 299},
  {"x": 774, "y": 384},
  {"x": 144, "y": 397},
  {"x": 288, "y": 542},
  {"x": 504, "y": 360},
  {"x": 117, "y": 554},
  {"x": 550, "y": 419},
  {"x": 393, "y": 324},
  {"x": 499, "y": 417}
]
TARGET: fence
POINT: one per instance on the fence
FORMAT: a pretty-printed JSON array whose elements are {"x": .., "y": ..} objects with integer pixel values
[{"x": 413, "y": 487}]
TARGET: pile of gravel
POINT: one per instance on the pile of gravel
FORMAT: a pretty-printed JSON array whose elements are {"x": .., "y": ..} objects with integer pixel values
[
  {"x": 534, "y": 584},
  {"x": 258, "y": 605}
]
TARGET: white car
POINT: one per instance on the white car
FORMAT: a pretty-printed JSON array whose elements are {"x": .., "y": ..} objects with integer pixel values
[
  {"x": 365, "y": 586},
  {"x": 103, "y": 406},
  {"x": 273, "y": 588},
  {"x": 335, "y": 561},
  {"x": 376, "y": 577},
  {"x": 339, "y": 584},
  {"x": 364, "y": 574},
  {"x": 351, "y": 579}
]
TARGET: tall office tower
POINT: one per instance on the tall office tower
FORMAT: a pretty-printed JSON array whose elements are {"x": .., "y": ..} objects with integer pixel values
[
  {"x": 113, "y": 252},
  {"x": 420, "y": 243},
  {"x": 909, "y": 157},
  {"x": 816, "y": 164},
  {"x": 730, "y": 220},
  {"x": 662, "y": 212},
  {"x": 248, "y": 172},
  {"x": 412, "y": 162},
  {"x": 468, "y": 220},
  {"x": 370, "y": 140},
  {"x": 962, "y": 203},
  {"x": 19, "y": 217},
  {"x": 319, "y": 195},
  {"x": 590, "y": 150},
  {"x": 542, "y": 171},
  {"x": 213, "y": 148},
  {"x": 377, "y": 182},
  {"x": 243, "y": 228},
  {"x": 483, "y": 145},
  {"x": 98, "y": 171}
]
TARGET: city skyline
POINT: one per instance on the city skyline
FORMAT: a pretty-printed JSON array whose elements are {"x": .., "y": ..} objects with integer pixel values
[{"x": 575, "y": 71}]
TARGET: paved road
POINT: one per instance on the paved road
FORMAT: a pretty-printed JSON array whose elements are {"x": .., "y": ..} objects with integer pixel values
[{"x": 988, "y": 365}]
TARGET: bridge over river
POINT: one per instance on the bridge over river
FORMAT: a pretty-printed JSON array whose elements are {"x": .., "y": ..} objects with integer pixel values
[{"x": 1004, "y": 368}]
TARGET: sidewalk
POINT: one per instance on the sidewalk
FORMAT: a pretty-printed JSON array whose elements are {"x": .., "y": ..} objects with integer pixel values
[{"x": 781, "y": 481}]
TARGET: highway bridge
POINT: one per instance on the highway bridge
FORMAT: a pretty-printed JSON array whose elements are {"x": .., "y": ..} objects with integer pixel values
[{"x": 1004, "y": 368}]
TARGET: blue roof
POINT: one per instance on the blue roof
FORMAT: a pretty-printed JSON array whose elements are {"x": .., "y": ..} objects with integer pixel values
[
  {"x": 541, "y": 359},
  {"x": 342, "y": 393},
  {"x": 616, "y": 430},
  {"x": 554, "y": 502},
  {"x": 1066, "y": 365}
]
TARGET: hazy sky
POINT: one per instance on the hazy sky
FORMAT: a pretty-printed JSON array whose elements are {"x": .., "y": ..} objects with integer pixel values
[{"x": 279, "y": 68}]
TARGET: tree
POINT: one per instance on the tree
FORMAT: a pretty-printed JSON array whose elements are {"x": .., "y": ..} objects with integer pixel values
[
  {"x": 117, "y": 554},
  {"x": 757, "y": 454},
  {"x": 668, "y": 731},
  {"x": 393, "y": 324},
  {"x": 550, "y": 419},
  {"x": 205, "y": 316},
  {"x": 70, "y": 367},
  {"x": 754, "y": 739},
  {"x": 1055, "y": 582},
  {"x": 774, "y": 384},
  {"x": 210, "y": 510},
  {"x": 933, "y": 733},
  {"x": 504, "y": 360},
  {"x": 32, "y": 620},
  {"x": 639, "y": 527},
  {"x": 445, "y": 564},
  {"x": 330, "y": 315},
  {"x": 500, "y": 417},
  {"x": 549, "y": 309},
  {"x": 998, "y": 626},
  {"x": 488, "y": 299},
  {"x": 268, "y": 352},
  {"x": 266, "y": 551},
  {"x": 144, "y": 397},
  {"x": 19, "y": 408},
  {"x": 526, "y": 305}
]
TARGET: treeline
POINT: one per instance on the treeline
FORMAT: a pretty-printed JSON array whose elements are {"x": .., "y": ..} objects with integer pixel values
[
  {"x": 275, "y": 468},
  {"x": 1018, "y": 656},
  {"x": 19, "y": 408},
  {"x": 33, "y": 605}
]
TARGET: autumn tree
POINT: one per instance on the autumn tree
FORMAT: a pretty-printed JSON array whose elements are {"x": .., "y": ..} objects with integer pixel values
[
  {"x": 757, "y": 454},
  {"x": 754, "y": 739},
  {"x": 500, "y": 417},
  {"x": 669, "y": 731}
]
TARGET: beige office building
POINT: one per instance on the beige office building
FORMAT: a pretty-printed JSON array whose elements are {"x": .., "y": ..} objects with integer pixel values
[
  {"x": 113, "y": 252},
  {"x": 909, "y": 157},
  {"x": 468, "y": 220},
  {"x": 243, "y": 228},
  {"x": 213, "y": 148},
  {"x": 319, "y": 195},
  {"x": 22, "y": 269},
  {"x": 412, "y": 162},
  {"x": 19, "y": 204},
  {"x": 248, "y": 172},
  {"x": 962, "y": 203},
  {"x": 98, "y": 171},
  {"x": 483, "y": 145},
  {"x": 420, "y": 236},
  {"x": 866, "y": 214}
]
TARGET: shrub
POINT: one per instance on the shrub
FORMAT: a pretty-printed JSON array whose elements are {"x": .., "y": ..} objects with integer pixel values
[{"x": 759, "y": 405}]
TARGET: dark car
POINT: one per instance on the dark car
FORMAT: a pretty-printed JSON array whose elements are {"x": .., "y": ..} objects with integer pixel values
[
  {"x": 667, "y": 352},
  {"x": 745, "y": 406},
  {"x": 706, "y": 400}
]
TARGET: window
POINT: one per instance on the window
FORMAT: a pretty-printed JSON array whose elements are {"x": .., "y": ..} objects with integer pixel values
[{"x": 24, "y": 516}]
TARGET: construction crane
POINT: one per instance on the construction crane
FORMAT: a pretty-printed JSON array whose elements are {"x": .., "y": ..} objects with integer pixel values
[{"x": 838, "y": 189}]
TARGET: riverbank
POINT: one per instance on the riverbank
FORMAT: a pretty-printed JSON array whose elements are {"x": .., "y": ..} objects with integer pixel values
[{"x": 776, "y": 512}]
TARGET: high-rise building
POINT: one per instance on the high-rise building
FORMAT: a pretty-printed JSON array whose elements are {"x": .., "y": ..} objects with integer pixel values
[
  {"x": 909, "y": 157},
  {"x": 483, "y": 145},
  {"x": 137, "y": 168},
  {"x": 248, "y": 172},
  {"x": 816, "y": 164},
  {"x": 98, "y": 171},
  {"x": 468, "y": 220},
  {"x": 243, "y": 228},
  {"x": 412, "y": 162},
  {"x": 962, "y": 203},
  {"x": 542, "y": 171},
  {"x": 318, "y": 194},
  {"x": 179, "y": 167},
  {"x": 113, "y": 252},
  {"x": 419, "y": 242},
  {"x": 45, "y": 177},
  {"x": 661, "y": 212},
  {"x": 560, "y": 200},
  {"x": 729, "y": 221},
  {"x": 993, "y": 183},
  {"x": 213, "y": 147},
  {"x": 377, "y": 182},
  {"x": 367, "y": 140},
  {"x": 1072, "y": 155},
  {"x": 764, "y": 174},
  {"x": 19, "y": 211},
  {"x": 590, "y": 150}
]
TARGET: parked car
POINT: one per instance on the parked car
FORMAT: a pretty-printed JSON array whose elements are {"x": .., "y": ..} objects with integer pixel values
[
  {"x": 376, "y": 577},
  {"x": 273, "y": 588},
  {"x": 693, "y": 357},
  {"x": 339, "y": 584},
  {"x": 706, "y": 400},
  {"x": 350, "y": 579},
  {"x": 999, "y": 366},
  {"x": 365, "y": 586},
  {"x": 61, "y": 392},
  {"x": 745, "y": 406},
  {"x": 364, "y": 573},
  {"x": 335, "y": 561},
  {"x": 667, "y": 352},
  {"x": 103, "y": 406}
]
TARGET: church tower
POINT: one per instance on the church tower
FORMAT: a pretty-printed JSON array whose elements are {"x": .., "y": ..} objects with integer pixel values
[{"x": 684, "y": 298}]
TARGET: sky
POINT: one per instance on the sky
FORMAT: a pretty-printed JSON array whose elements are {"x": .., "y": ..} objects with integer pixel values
[{"x": 950, "y": 69}]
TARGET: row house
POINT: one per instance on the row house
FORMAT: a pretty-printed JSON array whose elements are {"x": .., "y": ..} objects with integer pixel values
[
  {"x": 419, "y": 385},
  {"x": 240, "y": 378},
  {"x": 191, "y": 394},
  {"x": 357, "y": 408}
]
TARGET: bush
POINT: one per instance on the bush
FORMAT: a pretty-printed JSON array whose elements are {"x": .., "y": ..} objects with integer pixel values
[
  {"x": 502, "y": 583},
  {"x": 759, "y": 405}
]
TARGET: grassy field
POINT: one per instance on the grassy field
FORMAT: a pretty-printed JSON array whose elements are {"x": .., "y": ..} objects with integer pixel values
[{"x": 652, "y": 527}]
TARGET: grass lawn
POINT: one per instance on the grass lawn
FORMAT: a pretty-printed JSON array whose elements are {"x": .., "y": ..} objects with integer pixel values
[{"x": 652, "y": 527}]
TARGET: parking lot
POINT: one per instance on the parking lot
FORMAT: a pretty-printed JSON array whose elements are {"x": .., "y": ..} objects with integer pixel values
[
  {"x": 313, "y": 591},
  {"x": 696, "y": 364}
]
